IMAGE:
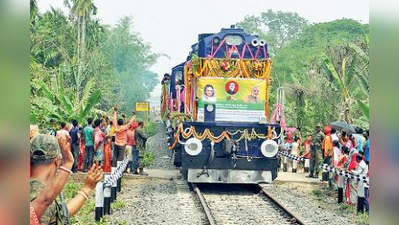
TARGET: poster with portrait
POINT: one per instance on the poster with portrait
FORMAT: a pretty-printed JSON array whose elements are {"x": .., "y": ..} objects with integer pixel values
[{"x": 236, "y": 100}]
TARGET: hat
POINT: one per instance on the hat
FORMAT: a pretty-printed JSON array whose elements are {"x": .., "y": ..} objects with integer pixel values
[
  {"x": 318, "y": 125},
  {"x": 44, "y": 147}
]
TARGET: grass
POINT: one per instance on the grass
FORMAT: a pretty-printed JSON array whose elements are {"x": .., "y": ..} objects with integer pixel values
[
  {"x": 151, "y": 129},
  {"x": 324, "y": 195},
  {"x": 86, "y": 213},
  {"x": 363, "y": 219},
  {"x": 148, "y": 158},
  {"x": 118, "y": 205}
]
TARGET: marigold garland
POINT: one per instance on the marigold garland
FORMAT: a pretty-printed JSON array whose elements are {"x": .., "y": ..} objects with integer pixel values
[{"x": 188, "y": 132}]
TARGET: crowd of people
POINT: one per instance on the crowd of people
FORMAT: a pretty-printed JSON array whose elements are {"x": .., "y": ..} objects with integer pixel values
[
  {"x": 343, "y": 150},
  {"x": 93, "y": 149}
]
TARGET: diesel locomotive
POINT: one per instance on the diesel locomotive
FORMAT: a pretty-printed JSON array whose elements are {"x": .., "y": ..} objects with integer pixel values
[{"x": 215, "y": 107}]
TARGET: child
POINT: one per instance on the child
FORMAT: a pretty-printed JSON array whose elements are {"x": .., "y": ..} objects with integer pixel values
[{"x": 295, "y": 152}]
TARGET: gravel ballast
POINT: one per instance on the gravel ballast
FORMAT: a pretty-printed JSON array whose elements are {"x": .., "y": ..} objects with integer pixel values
[
  {"x": 156, "y": 201},
  {"x": 304, "y": 204}
]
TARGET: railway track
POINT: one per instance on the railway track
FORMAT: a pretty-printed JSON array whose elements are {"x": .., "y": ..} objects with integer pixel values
[{"x": 242, "y": 204}]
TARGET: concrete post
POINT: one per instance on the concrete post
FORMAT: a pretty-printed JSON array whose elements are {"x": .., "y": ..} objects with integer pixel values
[{"x": 99, "y": 212}]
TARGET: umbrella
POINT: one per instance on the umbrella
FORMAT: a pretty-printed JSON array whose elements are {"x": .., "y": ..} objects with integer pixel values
[{"x": 342, "y": 126}]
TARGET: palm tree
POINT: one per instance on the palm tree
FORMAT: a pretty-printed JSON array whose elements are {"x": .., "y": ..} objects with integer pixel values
[{"x": 81, "y": 12}]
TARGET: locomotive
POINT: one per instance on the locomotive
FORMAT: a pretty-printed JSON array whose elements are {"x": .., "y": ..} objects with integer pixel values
[{"x": 215, "y": 106}]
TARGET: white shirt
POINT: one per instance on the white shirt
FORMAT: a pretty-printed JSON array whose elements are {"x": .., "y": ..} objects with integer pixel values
[
  {"x": 361, "y": 169},
  {"x": 294, "y": 150},
  {"x": 334, "y": 137}
]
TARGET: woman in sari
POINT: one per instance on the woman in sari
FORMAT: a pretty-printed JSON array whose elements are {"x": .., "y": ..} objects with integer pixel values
[
  {"x": 108, "y": 148},
  {"x": 351, "y": 189},
  {"x": 99, "y": 142}
]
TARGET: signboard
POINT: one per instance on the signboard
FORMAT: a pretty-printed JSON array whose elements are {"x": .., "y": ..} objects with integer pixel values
[
  {"x": 142, "y": 106},
  {"x": 235, "y": 100}
]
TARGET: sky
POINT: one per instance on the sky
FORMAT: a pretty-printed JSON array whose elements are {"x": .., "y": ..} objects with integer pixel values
[{"x": 172, "y": 26}]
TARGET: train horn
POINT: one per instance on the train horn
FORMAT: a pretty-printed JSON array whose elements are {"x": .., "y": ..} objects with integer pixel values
[
  {"x": 269, "y": 148},
  {"x": 193, "y": 146}
]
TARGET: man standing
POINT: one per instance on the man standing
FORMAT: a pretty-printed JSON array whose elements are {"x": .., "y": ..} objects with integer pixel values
[
  {"x": 131, "y": 150},
  {"x": 121, "y": 136},
  {"x": 44, "y": 154},
  {"x": 360, "y": 139},
  {"x": 52, "y": 130},
  {"x": 141, "y": 140},
  {"x": 366, "y": 147},
  {"x": 89, "y": 145},
  {"x": 75, "y": 144},
  {"x": 315, "y": 152},
  {"x": 64, "y": 132}
]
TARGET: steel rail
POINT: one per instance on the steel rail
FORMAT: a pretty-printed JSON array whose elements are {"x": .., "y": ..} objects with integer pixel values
[
  {"x": 295, "y": 219},
  {"x": 204, "y": 205}
]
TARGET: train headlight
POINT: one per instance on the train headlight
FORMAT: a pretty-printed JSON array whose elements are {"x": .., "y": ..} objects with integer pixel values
[
  {"x": 193, "y": 146},
  {"x": 269, "y": 148},
  {"x": 262, "y": 43},
  {"x": 255, "y": 42}
]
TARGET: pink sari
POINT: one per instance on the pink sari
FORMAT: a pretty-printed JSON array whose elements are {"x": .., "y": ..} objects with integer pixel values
[{"x": 337, "y": 155}]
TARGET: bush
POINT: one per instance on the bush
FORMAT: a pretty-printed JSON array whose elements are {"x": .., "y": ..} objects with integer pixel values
[
  {"x": 151, "y": 129},
  {"x": 148, "y": 158}
]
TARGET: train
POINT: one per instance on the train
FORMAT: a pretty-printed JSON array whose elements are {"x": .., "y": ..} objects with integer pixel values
[{"x": 215, "y": 107}]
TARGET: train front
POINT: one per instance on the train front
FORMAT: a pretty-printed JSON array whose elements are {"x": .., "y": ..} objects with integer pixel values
[{"x": 216, "y": 106}]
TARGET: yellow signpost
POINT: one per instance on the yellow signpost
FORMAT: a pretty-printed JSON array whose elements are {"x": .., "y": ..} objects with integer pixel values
[
  {"x": 142, "y": 106},
  {"x": 145, "y": 108}
]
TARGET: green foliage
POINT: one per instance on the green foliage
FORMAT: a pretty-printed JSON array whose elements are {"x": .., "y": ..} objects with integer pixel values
[
  {"x": 278, "y": 28},
  {"x": 79, "y": 67},
  {"x": 151, "y": 129},
  {"x": 365, "y": 109},
  {"x": 117, "y": 205},
  {"x": 148, "y": 158},
  {"x": 313, "y": 92},
  {"x": 317, "y": 192},
  {"x": 363, "y": 219},
  {"x": 131, "y": 58}
]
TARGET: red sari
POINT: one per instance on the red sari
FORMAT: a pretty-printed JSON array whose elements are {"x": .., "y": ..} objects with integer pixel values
[
  {"x": 82, "y": 148},
  {"x": 107, "y": 155},
  {"x": 351, "y": 190}
]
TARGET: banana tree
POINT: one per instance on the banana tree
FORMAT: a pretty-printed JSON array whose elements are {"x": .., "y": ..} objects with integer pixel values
[
  {"x": 54, "y": 101},
  {"x": 362, "y": 70},
  {"x": 363, "y": 73},
  {"x": 343, "y": 79}
]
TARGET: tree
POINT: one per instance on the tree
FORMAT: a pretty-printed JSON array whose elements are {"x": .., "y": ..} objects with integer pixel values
[
  {"x": 81, "y": 11},
  {"x": 277, "y": 28},
  {"x": 55, "y": 102},
  {"x": 341, "y": 70},
  {"x": 299, "y": 66},
  {"x": 131, "y": 58},
  {"x": 53, "y": 51}
]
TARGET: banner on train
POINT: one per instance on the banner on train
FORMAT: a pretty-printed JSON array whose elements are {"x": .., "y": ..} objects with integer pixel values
[{"x": 235, "y": 100}]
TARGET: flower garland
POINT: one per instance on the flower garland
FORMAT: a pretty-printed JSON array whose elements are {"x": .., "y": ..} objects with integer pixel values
[
  {"x": 232, "y": 68},
  {"x": 189, "y": 132}
]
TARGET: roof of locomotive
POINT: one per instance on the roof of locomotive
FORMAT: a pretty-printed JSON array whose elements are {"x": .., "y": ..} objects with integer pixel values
[{"x": 215, "y": 45}]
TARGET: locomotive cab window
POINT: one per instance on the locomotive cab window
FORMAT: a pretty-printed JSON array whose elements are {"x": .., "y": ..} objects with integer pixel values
[
  {"x": 179, "y": 77},
  {"x": 234, "y": 40}
]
